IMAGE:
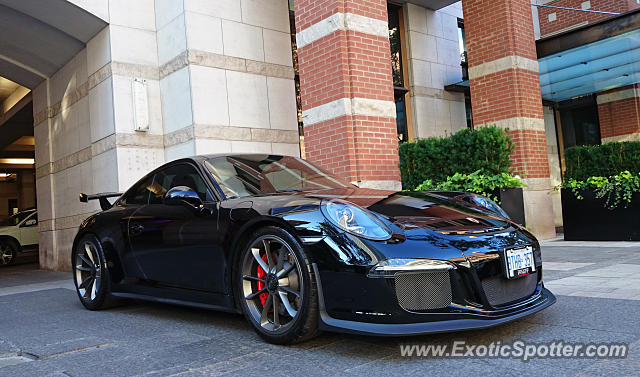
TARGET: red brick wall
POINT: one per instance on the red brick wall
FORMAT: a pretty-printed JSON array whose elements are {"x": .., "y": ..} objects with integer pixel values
[
  {"x": 567, "y": 18},
  {"x": 496, "y": 30},
  {"x": 346, "y": 65},
  {"x": 619, "y": 117},
  {"x": 309, "y": 12},
  {"x": 530, "y": 156},
  {"x": 506, "y": 94}
]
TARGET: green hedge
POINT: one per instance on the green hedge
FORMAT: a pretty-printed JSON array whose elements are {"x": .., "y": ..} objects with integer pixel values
[
  {"x": 603, "y": 160},
  {"x": 486, "y": 150}
]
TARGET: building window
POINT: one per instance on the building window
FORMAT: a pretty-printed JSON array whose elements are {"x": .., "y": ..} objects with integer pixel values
[
  {"x": 464, "y": 65},
  {"x": 398, "y": 70},
  {"x": 579, "y": 120},
  {"x": 462, "y": 43}
]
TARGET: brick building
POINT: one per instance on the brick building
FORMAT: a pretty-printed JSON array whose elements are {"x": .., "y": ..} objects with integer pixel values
[{"x": 129, "y": 85}]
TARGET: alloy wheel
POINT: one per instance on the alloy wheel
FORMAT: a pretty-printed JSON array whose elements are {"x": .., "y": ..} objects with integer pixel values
[
  {"x": 6, "y": 253},
  {"x": 272, "y": 283},
  {"x": 88, "y": 271}
]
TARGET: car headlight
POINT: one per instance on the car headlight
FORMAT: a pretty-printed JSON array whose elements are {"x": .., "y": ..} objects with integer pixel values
[
  {"x": 389, "y": 267},
  {"x": 355, "y": 220}
]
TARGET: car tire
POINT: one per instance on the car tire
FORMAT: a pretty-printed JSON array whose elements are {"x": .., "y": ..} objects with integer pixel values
[
  {"x": 294, "y": 317},
  {"x": 91, "y": 275},
  {"x": 9, "y": 249}
]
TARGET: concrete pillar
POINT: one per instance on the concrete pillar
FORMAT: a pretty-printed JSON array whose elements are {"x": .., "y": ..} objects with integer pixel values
[
  {"x": 347, "y": 89},
  {"x": 505, "y": 91},
  {"x": 433, "y": 59},
  {"x": 619, "y": 114},
  {"x": 226, "y": 77}
]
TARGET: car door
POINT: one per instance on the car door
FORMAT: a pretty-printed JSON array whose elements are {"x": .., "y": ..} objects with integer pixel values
[
  {"x": 133, "y": 200},
  {"x": 177, "y": 244},
  {"x": 29, "y": 230}
]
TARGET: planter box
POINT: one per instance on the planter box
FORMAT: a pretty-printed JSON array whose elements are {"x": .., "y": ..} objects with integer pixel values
[
  {"x": 589, "y": 220},
  {"x": 512, "y": 203}
]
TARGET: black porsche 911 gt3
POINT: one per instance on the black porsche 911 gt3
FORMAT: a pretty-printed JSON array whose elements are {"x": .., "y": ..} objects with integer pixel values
[{"x": 298, "y": 250}]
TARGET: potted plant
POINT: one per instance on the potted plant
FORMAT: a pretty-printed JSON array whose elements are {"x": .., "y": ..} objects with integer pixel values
[
  {"x": 503, "y": 188},
  {"x": 602, "y": 208},
  {"x": 600, "y": 200}
]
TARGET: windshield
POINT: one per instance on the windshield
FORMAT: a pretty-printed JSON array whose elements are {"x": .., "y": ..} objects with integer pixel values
[
  {"x": 251, "y": 175},
  {"x": 15, "y": 219}
]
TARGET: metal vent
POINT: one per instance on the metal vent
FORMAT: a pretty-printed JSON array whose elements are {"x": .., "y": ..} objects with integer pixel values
[
  {"x": 500, "y": 290},
  {"x": 424, "y": 290}
]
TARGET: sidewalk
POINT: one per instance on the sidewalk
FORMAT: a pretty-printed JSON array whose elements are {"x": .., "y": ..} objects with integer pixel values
[
  {"x": 28, "y": 278},
  {"x": 45, "y": 331}
]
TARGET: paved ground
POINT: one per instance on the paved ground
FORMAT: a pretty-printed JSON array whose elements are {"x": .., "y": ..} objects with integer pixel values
[{"x": 44, "y": 331}]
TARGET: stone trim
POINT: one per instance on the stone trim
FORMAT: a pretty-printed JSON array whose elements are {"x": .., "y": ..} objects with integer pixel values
[
  {"x": 537, "y": 184},
  {"x": 349, "y": 106},
  {"x": 341, "y": 21},
  {"x": 502, "y": 64},
  {"x": 112, "y": 141},
  {"x": 380, "y": 185},
  {"x": 135, "y": 70},
  {"x": 82, "y": 90},
  {"x": 230, "y": 63},
  {"x": 422, "y": 91},
  {"x": 206, "y": 131},
  {"x": 139, "y": 140},
  {"x": 519, "y": 123},
  {"x": 68, "y": 222},
  {"x": 628, "y": 137},
  {"x": 618, "y": 96}
]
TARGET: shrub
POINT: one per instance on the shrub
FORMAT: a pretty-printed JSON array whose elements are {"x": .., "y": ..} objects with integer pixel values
[
  {"x": 615, "y": 190},
  {"x": 486, "y": 150},
  {"x": 603, "y": 160},
  {"x": 476, "y": 182}
]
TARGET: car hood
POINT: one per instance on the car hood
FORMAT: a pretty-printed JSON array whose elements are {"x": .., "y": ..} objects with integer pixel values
[
  {"x": 7, "y": 229},
  {"x": 409, "y": 210}
]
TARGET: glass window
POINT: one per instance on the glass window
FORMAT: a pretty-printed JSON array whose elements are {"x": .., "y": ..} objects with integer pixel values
[
  {"x": 179, "y": 175},
  {"x": 397, "y": 70},
  {"x": 241, "y": 176},
  {"x": 580, "y": 123},
  {"x": 33, "y": 219},
  {"x": 462, "y": 45},
  {"x": 138, "y": 194}
]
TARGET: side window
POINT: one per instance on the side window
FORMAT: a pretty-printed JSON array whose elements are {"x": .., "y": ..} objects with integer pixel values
[
  {"x": 139, "y": 194},
  {"x": 31, "y": 221},
  {"x": 179, "y": 175}
]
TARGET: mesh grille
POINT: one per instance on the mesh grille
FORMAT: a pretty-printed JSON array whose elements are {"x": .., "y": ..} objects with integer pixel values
[
  {"x": 423, "y": 291},
  {"x": 500, "y": 290}
]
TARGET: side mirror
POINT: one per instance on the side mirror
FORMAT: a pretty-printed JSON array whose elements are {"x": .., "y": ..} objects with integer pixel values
[
  {"x": 181, "y": 195},
  {"x": 31, "y": 222}
]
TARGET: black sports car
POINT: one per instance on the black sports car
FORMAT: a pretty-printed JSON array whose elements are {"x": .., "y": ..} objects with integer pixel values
[{"x": 298, "y": 250}]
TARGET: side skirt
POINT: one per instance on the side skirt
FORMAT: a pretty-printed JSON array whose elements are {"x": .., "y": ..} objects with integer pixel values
[
  {"x": 176, "y": 296},
  {"x": 163, "y": 300}
]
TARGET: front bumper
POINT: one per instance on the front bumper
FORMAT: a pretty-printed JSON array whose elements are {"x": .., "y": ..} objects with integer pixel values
[{"x": 445, "y": 322}]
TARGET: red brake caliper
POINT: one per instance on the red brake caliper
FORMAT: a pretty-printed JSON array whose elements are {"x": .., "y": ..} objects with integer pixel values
[{"x": 262, "y": 274}]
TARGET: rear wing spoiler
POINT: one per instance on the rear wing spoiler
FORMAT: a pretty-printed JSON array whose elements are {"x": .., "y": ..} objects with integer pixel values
[{"x": 102, "y": 197}]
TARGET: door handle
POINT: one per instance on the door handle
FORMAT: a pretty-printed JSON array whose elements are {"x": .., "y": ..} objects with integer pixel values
[{"x": 136, "y": 229}]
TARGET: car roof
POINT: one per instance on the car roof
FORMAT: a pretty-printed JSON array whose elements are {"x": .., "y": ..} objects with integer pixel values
[{"x": 239, "y": 155}]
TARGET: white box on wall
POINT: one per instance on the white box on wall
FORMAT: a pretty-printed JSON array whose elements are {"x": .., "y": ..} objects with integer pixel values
[{"x": 140, "y": 105}]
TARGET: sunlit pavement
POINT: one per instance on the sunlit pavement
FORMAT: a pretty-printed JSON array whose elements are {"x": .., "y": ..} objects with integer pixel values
[{"x": 45, "y": 331}]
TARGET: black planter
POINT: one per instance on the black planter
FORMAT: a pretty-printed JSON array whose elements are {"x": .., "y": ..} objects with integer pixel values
[
  {"x": 589, "y": 220},
  {"x": 512, "y": 203}
]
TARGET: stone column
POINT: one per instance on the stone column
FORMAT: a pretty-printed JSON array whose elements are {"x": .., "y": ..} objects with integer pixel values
[
  {"x": 226, "y": 77},
  {"x": 505, "y": 91},
  {"x": 347, "y": 89},
  {"x": 619, "y": 114}
]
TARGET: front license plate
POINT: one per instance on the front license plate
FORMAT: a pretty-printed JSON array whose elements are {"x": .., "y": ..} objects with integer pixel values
[{"x": 519, "y": 262}]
